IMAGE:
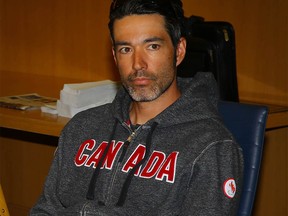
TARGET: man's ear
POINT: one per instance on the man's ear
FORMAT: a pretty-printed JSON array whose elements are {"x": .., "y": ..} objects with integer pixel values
[
  {"x": 114, "y": 55},
  {"x": 180, "y": 50}
]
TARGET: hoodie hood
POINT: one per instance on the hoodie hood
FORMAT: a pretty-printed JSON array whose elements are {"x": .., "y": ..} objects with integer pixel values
[{"x": 198, "y": 95}]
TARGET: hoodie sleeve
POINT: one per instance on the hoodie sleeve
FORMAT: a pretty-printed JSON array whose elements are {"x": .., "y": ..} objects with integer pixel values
[
  {"x": 216, "y": 182},
  {"x": 48, "y": 201}
]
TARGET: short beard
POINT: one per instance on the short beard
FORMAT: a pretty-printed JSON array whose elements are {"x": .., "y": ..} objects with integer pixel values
[
  {"x": 141, "y": 95},
  {"x": 146, "y": 94}
]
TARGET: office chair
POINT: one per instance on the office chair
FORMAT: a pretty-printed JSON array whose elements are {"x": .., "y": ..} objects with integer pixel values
[
  {"x": 247, "y": 123},
  {"x": 211, "y": 48}
]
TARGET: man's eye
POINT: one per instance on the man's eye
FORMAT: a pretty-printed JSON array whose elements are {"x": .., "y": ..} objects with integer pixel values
[
  {"x": 154, "y": 46},
  {"x": 125, "y": 50}
]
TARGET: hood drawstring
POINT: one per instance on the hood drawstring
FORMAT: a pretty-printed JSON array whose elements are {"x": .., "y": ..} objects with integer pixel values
[
  {"x": 128, "y": 180},
  {"x": 91, "y": 189}
]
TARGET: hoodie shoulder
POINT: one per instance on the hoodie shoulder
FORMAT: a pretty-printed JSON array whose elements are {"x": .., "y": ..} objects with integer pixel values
[{"x": 202, "y": 86}]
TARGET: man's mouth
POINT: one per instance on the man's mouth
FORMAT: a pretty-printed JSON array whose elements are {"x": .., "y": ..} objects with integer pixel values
[{"x": 141, "y": 80}]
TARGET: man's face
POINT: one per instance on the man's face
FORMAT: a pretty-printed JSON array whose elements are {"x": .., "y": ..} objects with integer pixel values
[{"x": 144, "y": 55}]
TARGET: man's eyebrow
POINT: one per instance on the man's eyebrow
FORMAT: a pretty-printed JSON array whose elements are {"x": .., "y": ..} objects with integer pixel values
[
  {"x": 153, "y": 39},
  {"x": 121, "y": 43},
  {"x": 148, "y": 40}
]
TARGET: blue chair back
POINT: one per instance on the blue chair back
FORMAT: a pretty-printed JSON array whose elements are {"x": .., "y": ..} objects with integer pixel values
[{"x": 247, "y": 123}]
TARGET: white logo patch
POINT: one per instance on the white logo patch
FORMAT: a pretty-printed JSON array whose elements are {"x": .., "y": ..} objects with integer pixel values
[{"x": 229, "y": 188}]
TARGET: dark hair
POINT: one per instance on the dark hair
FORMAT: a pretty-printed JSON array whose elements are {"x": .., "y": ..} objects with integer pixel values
[{"x": 171, "y": 10}]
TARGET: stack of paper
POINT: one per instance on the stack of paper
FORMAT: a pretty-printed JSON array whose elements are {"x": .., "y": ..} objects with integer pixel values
[
  {"x": 26, "y": 101},
  {"x": 81, "y": 96}
]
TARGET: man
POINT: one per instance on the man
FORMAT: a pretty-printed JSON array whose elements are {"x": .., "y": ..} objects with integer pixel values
[{"x": 160, "y": 148}]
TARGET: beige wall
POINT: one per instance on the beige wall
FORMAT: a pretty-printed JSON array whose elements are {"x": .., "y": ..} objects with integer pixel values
[{"x": 66, "y": 41}]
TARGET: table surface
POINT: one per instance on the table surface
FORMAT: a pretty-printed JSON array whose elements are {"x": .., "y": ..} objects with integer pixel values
[
  {"x": 32, "y": 121},
  {"x": 48, "y": 124}
]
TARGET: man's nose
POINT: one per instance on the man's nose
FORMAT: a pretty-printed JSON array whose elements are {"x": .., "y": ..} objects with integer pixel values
[{"x": 139, "y": 60}]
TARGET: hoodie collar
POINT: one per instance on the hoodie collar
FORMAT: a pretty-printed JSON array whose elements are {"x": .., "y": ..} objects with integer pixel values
[{"x": 198, "y": 100}]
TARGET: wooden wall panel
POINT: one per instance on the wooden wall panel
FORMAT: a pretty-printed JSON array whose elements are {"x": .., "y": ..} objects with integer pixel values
[
  {"x": 261, "y": 44},
  {"x": 25, "y": 160},
  {"x": 272, "y": 194},
  {"x": 69, "y": 41}
]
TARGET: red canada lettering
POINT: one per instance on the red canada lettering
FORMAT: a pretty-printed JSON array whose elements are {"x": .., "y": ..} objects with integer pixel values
[
  {"x": 111, "y": 155},
  {"x": 168, "y": 168},
  {"x": 158, "y": 165},
  {"x": 93, "y": 158},
  {"x": 135, "y": 158},
  {"x": 153, "y": 164},
  {"x": 81, "y": 158},
  {"x": 97, "y": 154}
]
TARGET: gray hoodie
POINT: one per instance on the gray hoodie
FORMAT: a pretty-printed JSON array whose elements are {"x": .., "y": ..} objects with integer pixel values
[{"x": 182, "y": 162}]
